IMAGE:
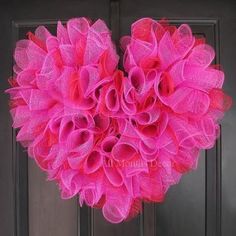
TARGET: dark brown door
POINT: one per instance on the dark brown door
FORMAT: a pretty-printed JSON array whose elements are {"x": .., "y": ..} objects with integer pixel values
[{"x": 203, "y": 204}]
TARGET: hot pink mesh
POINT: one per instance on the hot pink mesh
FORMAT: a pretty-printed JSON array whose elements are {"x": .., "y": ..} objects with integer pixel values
[{"x": 112, "y": 139}]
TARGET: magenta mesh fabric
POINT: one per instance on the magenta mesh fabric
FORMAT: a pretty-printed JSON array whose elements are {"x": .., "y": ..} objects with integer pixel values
[{"x": 116, "y": 138}]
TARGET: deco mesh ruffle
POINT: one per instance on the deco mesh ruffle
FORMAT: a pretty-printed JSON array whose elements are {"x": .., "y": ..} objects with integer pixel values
[{"x": 116, "y": 138}]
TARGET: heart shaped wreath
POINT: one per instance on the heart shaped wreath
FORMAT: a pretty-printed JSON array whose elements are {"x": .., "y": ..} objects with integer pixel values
[{"x": 116, "y": 138}]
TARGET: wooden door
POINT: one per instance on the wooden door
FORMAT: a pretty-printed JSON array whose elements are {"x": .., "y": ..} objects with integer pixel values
[{"x": 203, "y": 204}]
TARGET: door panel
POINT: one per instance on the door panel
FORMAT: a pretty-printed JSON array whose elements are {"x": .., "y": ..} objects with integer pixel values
[
  {"x": 102, "y": 227},
  {"x": 48, "y": 214},
  {"x": 202, "y": 204}
]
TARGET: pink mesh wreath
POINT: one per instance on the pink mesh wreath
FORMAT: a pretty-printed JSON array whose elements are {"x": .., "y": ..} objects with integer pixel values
[{"x": 114, "y": 138}]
